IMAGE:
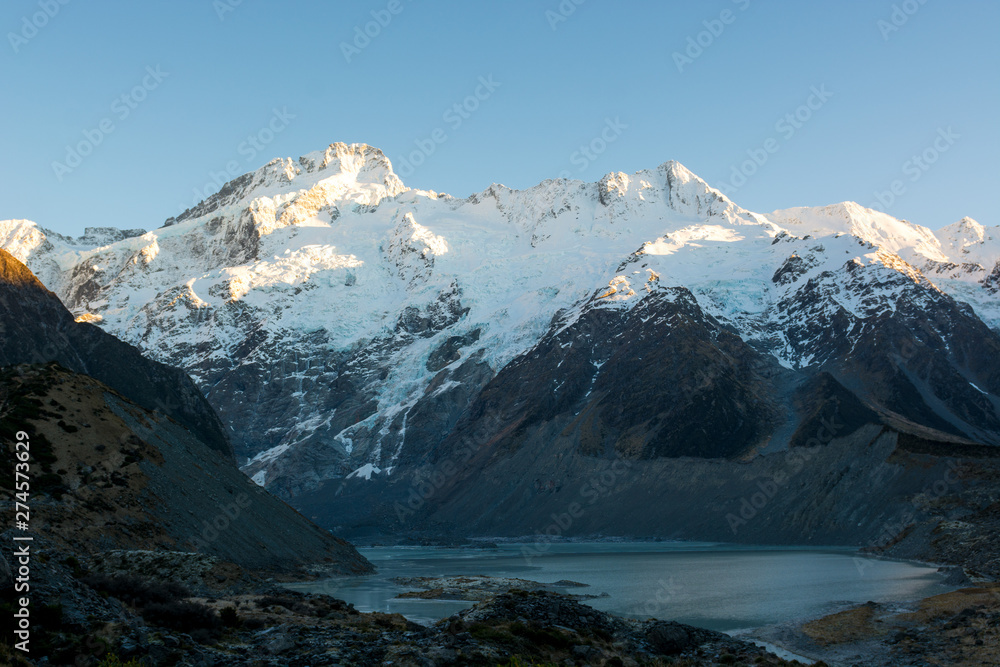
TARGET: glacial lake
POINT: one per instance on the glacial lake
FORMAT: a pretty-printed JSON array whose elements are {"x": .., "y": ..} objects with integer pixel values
[{"x": 717, "y": 586}]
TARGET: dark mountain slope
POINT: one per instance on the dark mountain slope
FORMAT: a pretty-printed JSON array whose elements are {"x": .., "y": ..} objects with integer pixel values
[
  {"x": 655, "y": 420},
  {"x": 35, "y": 327},
  {"x": 108, "y": 474},
  {"x": 658, "y": 380},
  {"x": 901, "y": 345},
  {"x": 132, "y": 458}
]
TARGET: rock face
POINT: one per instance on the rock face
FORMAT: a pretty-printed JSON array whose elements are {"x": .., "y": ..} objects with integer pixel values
[
  {"x": 390, "y": 359},
  {"x": 601, "y": 377}
]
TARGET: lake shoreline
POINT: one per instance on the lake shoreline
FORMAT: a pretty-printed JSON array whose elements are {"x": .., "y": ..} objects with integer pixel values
[
  {"x": 789, "y": 635},
  {"x": 958, "y": 627},
  {"x": 664, "y": 566},
  {"x": 488, "y": 542}
]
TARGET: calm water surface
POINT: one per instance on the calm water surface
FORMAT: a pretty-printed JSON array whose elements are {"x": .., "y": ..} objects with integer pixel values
[{"x": 722, "y": 587}]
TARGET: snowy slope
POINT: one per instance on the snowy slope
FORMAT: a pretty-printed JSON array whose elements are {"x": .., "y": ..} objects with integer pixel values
[
  {"x": 880, "y": 229},
  {"x": 961, "y": 258},
  {"x": 323, "y": 306},
  {"x": 970, "y": 241}
]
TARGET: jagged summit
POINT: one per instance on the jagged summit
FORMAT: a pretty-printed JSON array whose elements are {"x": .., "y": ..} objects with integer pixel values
[
  {"x": 969, "y": 243},
  {"x": 355, "y": 174},
  {"x": 966, "y": 232},
  {"x": 881, "y": 229},
  {"x": 365, "y": 162}
]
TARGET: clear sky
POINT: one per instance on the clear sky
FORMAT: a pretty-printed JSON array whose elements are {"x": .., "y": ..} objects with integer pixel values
[{"x": 169, "y": 97}]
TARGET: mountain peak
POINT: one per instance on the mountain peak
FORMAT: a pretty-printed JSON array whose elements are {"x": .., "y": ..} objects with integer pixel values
[
  {"x": 351, "y": 174},
  {"x": 374, "y": 314},
  {"x": 679, "y": 171},
  {"x": 364, "y": 162},
  {"x": 966, "y": 228},
  {"x": 972, "y": 243},
  {"x": 875, "y": 227},
  {"x": 15, "y": 274}
]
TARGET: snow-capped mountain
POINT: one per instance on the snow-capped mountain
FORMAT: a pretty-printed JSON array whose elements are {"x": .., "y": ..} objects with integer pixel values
[
  {"x": 970, "y": 241},
  {"x": 344, "y": 325},
  {"x": 961, "y": 258}
]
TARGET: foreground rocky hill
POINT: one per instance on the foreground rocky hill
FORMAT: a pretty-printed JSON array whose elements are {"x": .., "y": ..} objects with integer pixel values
[
  {"x": 110, "y": 475},
  {"x": 131, "y": 456},
  {"x": 37, "y": 328},
  {"x": 108, "y": 479}
]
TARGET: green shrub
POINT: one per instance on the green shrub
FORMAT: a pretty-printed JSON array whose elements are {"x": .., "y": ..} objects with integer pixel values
[{"x": 540, "y": 636}]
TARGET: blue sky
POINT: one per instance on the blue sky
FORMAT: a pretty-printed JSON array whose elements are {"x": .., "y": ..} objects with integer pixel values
[{"x": 170, "y": 98}]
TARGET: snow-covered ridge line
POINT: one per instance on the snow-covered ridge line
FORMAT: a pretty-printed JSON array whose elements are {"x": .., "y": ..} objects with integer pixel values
[{"x": 319, "y": 302}]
